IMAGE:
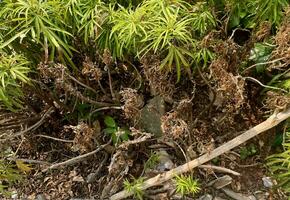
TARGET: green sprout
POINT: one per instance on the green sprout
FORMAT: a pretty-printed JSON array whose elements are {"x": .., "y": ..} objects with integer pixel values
[
  {"x": 186, "y": 185},
  {"x": 135, "y": 187}
]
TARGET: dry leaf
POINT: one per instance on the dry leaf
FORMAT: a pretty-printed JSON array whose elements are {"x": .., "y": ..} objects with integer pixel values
[{"x": 23, "y": 167}]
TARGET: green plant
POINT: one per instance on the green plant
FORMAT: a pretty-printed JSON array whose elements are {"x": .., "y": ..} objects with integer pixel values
[
  {"x": 130, "y": 26},
  {"x": 170, "y": 35},
  {"x": 9, "y": 175},
  {"x": 202, "y": 18},
  {"x": 279, "y": 164},
  {"x": 247, "y": 151},
  {"x": 13, "y": 73},
  {"x": 152, "y": 161},
  {"x": 92, "y": 14},
  {"x": 186, "y": 185},
  {"x": 31, "y": 24},
  {"x": 135, "y": 187},
  {"x": 116, "y": 133}
]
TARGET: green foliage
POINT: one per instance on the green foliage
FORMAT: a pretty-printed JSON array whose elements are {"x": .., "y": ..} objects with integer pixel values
[
  {"x": 202, "y": 19},
  {"x": 135, "y": 187},
  {"x": 251, "y": 13},
  {"x": 247, "y": 151},
  {"x": 9, "y": 175},
  {"x": 116, "y": 133},
  {"x": 279, "y": 164},
  {"x": 152, "y": 161},
  {"x": 31, "y": 22},
  {"x": 186, "y": 185},
  {"x": 13, "y": 73}
]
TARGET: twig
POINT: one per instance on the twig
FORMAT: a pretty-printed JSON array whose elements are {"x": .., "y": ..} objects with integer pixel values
[
  {"x": 263, "y": 63},
  {"x": 221, "y": 169},
  {"x": 107, "y": 108},
  {"x": 30, "y": 161},
  {"x": 271, "y": 122},
  {"x": 82, "y": 84},
  {"x": 36, "y": 125},
  {"x": 110, "y": 83},
  {"x": 76, "y": 159},
  {"x": 53, "y": 138},
  {"x": 266, "y": 86}
]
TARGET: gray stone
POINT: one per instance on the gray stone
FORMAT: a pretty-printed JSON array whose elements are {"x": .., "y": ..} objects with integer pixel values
[
  {"x": 267, "y": 182},
  {"x": 219, "y": 198},
  {"x": 151, "y": 114},
  {"x": 235, "y": 195},
  {"x": 221, "y": 182},
  {"x": 40, "y": 197},
  {"x": 206, "y": 197},
  {"x": 164, "y": 161},
  {"x": 261, "y": 195}
]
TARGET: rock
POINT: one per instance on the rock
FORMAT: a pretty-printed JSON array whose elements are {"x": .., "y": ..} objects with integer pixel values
[
  {"x": 252, "y": 197},
  {"x": 14, "y": 195},
  {"x": 219, "y": 198},
  {"x": 261, "y": 195},
  {"x": 40, "y": 197},
  {"x": 164, "y": 161},
  {"x": 206, "y": 197},
  {"x": 221, "y": 182},
  {"x": 150, "y": 119},
  {"x": 235, "y": 195},
  {"x": 91, "y": 177},
  {"x": 267, "y": 182}
]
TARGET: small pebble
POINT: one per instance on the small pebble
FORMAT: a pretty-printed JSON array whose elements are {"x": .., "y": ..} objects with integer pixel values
[
  {"x": 267, "y": 182},
  {"x": 206, "y": 197}
]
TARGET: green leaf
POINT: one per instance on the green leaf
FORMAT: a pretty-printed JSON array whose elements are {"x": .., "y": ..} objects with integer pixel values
[
  {"x": 110, "y": 122},
  {"x": 110, "y": 131}
]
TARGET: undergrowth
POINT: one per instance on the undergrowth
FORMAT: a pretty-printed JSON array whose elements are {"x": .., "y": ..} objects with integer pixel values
[{"x": 65, "y": 53}]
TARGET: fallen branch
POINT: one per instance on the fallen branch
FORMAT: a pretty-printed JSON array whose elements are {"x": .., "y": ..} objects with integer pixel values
[
  {"x": 76, "y": 159},
  {"x": 36, "y": 125},
  {"x": 271, "y": 122},
  {"x": 221, "y": 169},
  {"x": 53, "y": 138}
]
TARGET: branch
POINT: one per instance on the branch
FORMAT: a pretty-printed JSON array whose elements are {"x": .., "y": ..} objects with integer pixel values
[
  {"x": 76, "y": 159},
  {"x": 36, "y": 125},
  {"x": 271, "y": 122},
  {"x": 221, "y": 169}
]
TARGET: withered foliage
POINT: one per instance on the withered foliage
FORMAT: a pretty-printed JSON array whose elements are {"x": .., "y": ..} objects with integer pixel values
[
  {"x": 133, "y": 102},
  {"x": 276, "y": 100},
  {"x": 229, "y": 88},
  {"x": 91, "y": 70},
  {"x": 160, "y": 82},
  {"x": 85, "y": 137}
]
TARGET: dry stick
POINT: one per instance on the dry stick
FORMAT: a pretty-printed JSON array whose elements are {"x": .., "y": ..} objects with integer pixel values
[
  {"x": 221, "y": 169},
  {"x": 53, "y": 138},
  {"x": 263, "y": 63},
  {"x": 75, "y": 159},
  {"x": 271, "y": 122},
  {"x": 36, "y": 125},
  {"x": 82, "y": 84}
]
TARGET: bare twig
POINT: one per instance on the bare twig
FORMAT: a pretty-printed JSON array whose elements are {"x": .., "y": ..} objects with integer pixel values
[
  {"x": 30, "y": 161},
  {"x": 266, "y": 86},
  {"x": 263, "y": 63},
  {"x": 271, "y": 122},
  {"x": 221, "y": 169},
  {"x": 110, "y": 83},
  {"x": 107, "y": 108},
  {"x": 76, "y": 159},
  {"x": 36, "y": 125},
  {"x": 82, "y": 84},
  {"x": 53, "y": 138}
]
